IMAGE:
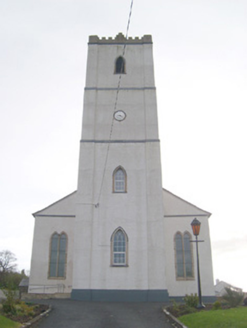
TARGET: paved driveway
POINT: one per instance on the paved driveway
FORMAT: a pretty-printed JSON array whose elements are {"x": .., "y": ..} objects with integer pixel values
[{"x": 76, "y": 314}]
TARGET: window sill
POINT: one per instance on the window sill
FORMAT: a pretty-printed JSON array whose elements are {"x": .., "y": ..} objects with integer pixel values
[
  {"x": 56, "y": 278},
  {"x": 185, "y": 279},
  {"x": 119, "y": 266}
]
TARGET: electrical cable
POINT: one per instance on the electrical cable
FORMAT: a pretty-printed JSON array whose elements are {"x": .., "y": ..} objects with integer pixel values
[{"x": 115, "y": 105}]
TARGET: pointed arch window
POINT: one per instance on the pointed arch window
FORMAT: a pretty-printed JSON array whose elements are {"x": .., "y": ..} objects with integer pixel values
[
  {"x": 184, "y": 256},
  {"x": 119, "y": 248},
  {"x": 120, "y": 65},
  {"x": 119, "y": 180},
  {"x": 58, "y": 255}
]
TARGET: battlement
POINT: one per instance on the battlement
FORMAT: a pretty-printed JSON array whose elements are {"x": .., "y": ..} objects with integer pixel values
[{"x": 120, "y": 39}]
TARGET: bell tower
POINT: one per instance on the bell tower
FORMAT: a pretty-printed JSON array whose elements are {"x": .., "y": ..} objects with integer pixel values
[{"x": 119, "y": 242}]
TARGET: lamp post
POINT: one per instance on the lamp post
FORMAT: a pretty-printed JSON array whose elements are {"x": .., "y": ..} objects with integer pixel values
[{"x": 195, "y": 224}]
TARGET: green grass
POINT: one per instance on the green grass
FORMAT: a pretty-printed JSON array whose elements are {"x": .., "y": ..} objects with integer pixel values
[
  {"x": 232, "y": 318},
  {"x": 7, "y": 323}
]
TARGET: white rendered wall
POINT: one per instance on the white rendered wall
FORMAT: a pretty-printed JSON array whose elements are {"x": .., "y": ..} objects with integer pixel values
[
  {"x": 136, "y": 211},
  {"x": 39, "y": 281},
  {"x": 176, "y": 287},
  {"x": 139, "y": 211}
]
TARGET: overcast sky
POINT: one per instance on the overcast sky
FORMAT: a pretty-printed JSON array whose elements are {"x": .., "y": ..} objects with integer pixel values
[{"x": 201, "y": 78}]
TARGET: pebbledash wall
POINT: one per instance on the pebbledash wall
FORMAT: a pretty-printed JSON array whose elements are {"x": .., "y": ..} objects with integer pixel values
[{"x": 148, "y": 215}]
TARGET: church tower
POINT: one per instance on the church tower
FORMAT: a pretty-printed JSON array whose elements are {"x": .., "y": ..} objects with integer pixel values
[{"x": 119, "y": 234}]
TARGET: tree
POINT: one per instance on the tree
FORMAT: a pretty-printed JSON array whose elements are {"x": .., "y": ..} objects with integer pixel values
[
  {"x": 7, "y": 261},
  {"x": 233, "y": 297},
  {"x": 7, "y": 268},
  {"x": 9, "y": 277}
]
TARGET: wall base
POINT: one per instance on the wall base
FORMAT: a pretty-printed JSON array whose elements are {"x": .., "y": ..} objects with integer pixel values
[
  {"x": 205, "y": 299},
  {"x": 115, "y": 295},
  {"x": 36, "y": 296}
]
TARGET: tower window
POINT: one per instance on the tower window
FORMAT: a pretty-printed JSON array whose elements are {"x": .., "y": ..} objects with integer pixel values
[
  {"x": 119, "y": 245},
  {"x": 58, "y": 249},
  {"x": 119, "y": 180},
  {"x": 120, "y": 65},
  {"x": 184, "y": 256}
]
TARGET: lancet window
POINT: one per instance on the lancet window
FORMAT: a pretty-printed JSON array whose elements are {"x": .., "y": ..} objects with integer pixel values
[
  {"x": 119, "y": 180},
  {"x": 58, "y": 254},
  {"x": 120, "y": 65},
  {"x": 183, "y": 256},
  {"x": 119, "y": 248}
]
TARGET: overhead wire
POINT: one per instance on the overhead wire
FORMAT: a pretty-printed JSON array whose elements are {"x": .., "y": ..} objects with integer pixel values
[{"x": 115, "y": 105}]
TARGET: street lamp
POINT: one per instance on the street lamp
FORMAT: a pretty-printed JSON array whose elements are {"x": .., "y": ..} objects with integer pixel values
[{"x": 195, "y": 224}]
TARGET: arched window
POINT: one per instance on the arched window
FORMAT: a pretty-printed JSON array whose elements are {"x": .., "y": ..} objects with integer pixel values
[
  {"x": 119, "y": 248},
  {"x": 119, "y": 180},
  {"x": 120, "y": 65},
  {"x": 179, "y": 255},
  {"x": 58, "y": 250},
  {"x": 188, "y": 255},
  {"x": 184, "y": 256}
]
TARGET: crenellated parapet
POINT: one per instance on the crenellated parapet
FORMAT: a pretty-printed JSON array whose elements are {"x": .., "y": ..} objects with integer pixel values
[{"x": 120, "y": 39}]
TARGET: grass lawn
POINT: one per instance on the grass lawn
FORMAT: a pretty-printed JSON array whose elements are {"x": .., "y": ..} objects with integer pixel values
[
  {"x": 7, "y": 323},
  {"x": 231, "y": 318}
]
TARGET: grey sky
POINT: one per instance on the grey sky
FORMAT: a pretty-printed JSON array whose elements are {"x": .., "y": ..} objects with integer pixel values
[{"x": 201, "y": 78}]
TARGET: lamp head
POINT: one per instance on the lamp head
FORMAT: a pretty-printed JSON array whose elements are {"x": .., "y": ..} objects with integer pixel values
[{"x": 195, "y": 224}]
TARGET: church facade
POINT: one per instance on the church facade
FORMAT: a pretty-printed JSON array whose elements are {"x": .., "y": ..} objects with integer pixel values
[{"x": 120, "y": 236}]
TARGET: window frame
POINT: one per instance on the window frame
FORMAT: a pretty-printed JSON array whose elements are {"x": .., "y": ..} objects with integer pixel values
[
  {"x": 185, "y": 262},
  {"x": 123, "y": 66},
  {"x": 59, "y": 253},
  {"x": 114, "y": 189},
  {"x": 126, "y": 241}
]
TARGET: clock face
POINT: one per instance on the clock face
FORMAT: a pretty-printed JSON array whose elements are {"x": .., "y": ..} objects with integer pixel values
[{"x": 119, "y": 115}]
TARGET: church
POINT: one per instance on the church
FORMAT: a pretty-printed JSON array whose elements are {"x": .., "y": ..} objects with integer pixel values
[{"x": 120, "y": 236}]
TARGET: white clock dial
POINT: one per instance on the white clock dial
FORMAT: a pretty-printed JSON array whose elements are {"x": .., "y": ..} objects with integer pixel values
[{"x": 119, "y": 115}]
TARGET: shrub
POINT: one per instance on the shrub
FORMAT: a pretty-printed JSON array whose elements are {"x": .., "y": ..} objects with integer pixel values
[
  {"x": 233, "y": 297},
  {"x": 9, "y": 308},
  {"x": 216, "y": 305},
  {"x": 191, "y": 300},
  {"x": 24, "y": 309},
  {"x": 9, "y": 303},
  {"x": 175, "y": 305},
  {"x": 186, "y": 310},
  {"x": 15, "y": 306}
]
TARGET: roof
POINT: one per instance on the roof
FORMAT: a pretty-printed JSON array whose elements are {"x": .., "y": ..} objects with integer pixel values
[
  {"x": 24, "y": 282},
  {"x": 63, "y": 207},
  {"x": 176, "y": 206},
  {"x": 222, "y": 284},
  {"x": 173, "y": 206}
]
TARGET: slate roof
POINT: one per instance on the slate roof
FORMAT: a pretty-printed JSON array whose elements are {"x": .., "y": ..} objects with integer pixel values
[{"x": 173, "y": 206}]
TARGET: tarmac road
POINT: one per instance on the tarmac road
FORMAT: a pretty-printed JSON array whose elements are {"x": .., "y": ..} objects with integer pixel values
[{"x": 76, "y": 314}]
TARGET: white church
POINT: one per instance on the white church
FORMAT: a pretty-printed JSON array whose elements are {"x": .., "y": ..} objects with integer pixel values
[{"x": 120, "y": 236}]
